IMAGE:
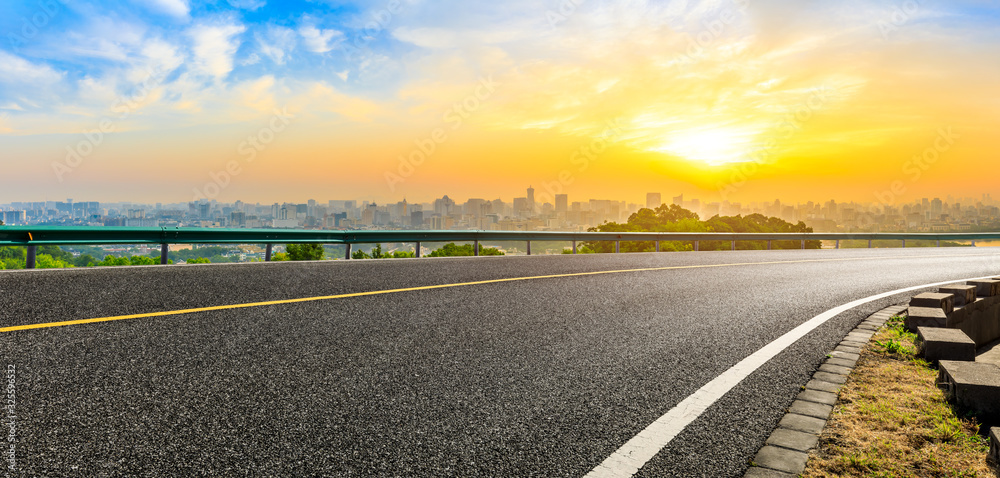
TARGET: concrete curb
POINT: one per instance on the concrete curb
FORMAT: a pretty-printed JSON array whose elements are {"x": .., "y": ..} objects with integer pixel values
[{"x": 786, "y": 451}]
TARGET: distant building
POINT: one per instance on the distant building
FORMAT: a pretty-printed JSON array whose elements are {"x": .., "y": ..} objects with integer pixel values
[
  {"x": 653, "y": 200},
  {"x": 562, "y": 203}
]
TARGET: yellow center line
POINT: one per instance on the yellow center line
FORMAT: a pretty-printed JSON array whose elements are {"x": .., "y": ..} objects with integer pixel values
[{"x": 439, "y": 286}]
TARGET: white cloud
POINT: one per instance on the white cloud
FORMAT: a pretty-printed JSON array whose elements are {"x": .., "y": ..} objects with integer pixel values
[
  {"x": 275, "y": 43},
  {"x": 320, "y": 41},
  {"x": 427, "y": 37},
  {"x": 214, "y": 47},
  {"x": 251, "y": 5},
  {"x": 177, "y": 8},
  {"x": 19, "y": 70}
]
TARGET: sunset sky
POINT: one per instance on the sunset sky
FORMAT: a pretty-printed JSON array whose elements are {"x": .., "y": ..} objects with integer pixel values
[{"x": 153, "y": 100}]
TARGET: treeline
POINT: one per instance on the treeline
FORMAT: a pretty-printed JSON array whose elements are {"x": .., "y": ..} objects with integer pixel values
[
  {"x": 55, "y": 257},
  {"x": 315, "y": 252},
  {"x": 673, "y": 218}
]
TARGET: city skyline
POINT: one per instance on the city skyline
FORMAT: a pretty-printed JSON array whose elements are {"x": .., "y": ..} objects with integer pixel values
[
  {"x": 724, "y": 100},
  {"x": 524, "y": 213}
]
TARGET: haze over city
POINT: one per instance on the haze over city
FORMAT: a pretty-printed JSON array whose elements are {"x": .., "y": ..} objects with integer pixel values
[{"x": 172, "y": 101}]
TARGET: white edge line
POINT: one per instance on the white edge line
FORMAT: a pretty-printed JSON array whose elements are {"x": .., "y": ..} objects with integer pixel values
[{"x": 635, "y": 453}]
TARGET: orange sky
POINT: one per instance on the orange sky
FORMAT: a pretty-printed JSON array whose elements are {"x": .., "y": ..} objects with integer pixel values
[{"x": 725, "y": 100}]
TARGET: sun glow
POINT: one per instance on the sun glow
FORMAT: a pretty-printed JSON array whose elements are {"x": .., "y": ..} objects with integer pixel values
[{"x": 713, "y": 146}]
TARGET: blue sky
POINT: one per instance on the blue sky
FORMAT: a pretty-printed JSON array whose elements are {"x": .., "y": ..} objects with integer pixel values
[{"x": 367, "y": 80}]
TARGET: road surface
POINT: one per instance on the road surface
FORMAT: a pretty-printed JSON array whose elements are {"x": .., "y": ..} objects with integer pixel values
[{"x": 545, "y": 376}]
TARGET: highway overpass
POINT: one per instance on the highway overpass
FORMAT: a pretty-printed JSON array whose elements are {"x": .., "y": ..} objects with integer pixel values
[{"x": 486, "y": 366}]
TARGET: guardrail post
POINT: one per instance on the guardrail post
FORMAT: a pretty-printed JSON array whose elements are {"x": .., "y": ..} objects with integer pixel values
[
  {"x": 803, "y": 243},
  {"x": 29, "y": 263},
  {"x": 657, "y": 246},
  {"x": 418, "y": 249},
  {"x": 529, "y": 248},
  {"x": 769, "y": 244},
  {"x": 267, "y": 253},
  {"x": 163, "y": 254},
  {"x": 838, "y": 244},
  {"x": 618, "y": 246},
  {"x": 475, "y": 247},
  {"x": 696, "y": 244},
  {"x": 734, "y": 245},
  {"x": 869, "y": 243},
  {"x": 973, "y": 243},
  {"x": 904, "y": 243},
  {"x": 574, "y": 247},
  {"x": 939, "y": 243},
  {"x": 347, "y": 255}
]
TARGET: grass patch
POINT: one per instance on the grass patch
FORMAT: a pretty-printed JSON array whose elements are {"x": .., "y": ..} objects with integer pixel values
[{"x": 892, "y": 421}]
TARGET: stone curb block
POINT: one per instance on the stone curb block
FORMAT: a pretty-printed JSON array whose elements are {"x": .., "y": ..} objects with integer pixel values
[{"x": 786, "y": 451}]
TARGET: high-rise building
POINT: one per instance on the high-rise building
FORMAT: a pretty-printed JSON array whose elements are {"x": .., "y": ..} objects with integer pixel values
[
  {"x": 520, "y": 206},
  {"x": 679, "y": 200},
  {"x": 562, "y": 203},
  {"x": 531, "y": 200},
  {"x": 653, "y": 200}
]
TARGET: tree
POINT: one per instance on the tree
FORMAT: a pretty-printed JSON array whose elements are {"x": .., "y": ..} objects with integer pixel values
[
  {"x": 305, "y": 252},
  {"x": 378, "y": 253},
  {"x": 452, "y": 250},
  {"x": 279, "y": 257},
  {"x": 359, "y": 254},
  {"x": 84, "y": 260},
  {"x": 45, "y": 261},
  {"x": 674, "y": 218},
  {"x": 199, "y": 260}
]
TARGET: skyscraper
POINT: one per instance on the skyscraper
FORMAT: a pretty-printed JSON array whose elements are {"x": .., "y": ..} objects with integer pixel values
[
  {"x": 531, "y": 200},
  {"x": 653, "y": 200},
  {"x": 562, "y": 203}
]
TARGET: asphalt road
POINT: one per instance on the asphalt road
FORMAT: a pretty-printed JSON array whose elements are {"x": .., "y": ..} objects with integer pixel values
[{"x": 542, "y": 377}]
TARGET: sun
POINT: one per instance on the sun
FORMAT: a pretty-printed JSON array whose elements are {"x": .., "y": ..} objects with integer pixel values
[{"x": 710, "y": 145}]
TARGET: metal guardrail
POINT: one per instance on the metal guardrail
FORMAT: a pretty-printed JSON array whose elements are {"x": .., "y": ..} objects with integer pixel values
[{"x": 33, "y": 236}]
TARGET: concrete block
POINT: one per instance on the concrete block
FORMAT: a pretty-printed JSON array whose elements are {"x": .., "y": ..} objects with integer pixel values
[
  {"x": 936, "y": 344},
  {"x": 823, "y": 386},
  {"x": 793, "y": 440},
  {"x": 835, "y": 369},
  {"x": 781, "y": 459},
  {"x": 964, "y": 294},
  {"x": 802, "y": 423},
  {"x": 935, "y": 300},
  {"x": 986, "y": 288},
  {"x": 841, "y": 362},
  {"x": 816, "y": 396},
  {"x": 757, "y": 472},
  {"x": 973, "y": 387},
  {"x": 925, "y": 317},
  {"x": 980, "y": 320},
  {"x": 994, "y": 457},
  {"x": 830, "y": 377},
  {"x": 844, "y": 355},
  {"x": 810, "y": 409}
]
